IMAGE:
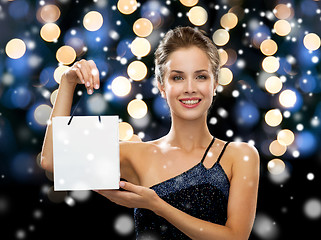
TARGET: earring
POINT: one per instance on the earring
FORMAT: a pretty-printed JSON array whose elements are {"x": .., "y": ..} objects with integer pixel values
[{"x": 214, "y": 93}]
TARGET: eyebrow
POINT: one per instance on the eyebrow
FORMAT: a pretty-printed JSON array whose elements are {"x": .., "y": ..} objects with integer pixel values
[{"x": 198, "y": 71}]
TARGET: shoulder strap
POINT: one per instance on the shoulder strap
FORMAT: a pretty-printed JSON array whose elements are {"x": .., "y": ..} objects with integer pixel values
[
  {"x": 207, "y": 149},
  {"x": 225, "y": 145}
]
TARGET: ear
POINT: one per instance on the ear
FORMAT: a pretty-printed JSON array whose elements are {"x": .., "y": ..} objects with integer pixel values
[
  {"x": 215, "y": 87},
  {"x": 161, "y": 89}
]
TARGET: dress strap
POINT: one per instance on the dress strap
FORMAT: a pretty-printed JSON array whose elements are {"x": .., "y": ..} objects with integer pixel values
[
  {"x": 207, "y": 149},
  {"x": 225, "y": 145}
]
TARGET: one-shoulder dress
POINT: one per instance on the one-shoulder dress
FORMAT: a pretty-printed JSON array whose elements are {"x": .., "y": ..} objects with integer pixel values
[{"x": 199, "y": 192}]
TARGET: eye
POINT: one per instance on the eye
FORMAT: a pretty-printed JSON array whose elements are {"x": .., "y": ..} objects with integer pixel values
[
  {"x": 202, "y": 77},
  {"x": 177, "y": 78}
]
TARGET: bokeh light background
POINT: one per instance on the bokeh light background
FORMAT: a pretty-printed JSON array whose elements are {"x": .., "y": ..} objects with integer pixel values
[{"x": 269, "y": 96}]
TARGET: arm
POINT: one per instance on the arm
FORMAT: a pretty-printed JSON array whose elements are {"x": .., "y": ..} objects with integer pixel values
[
  {"x": 241, "y": 205},
  {"x": 81, "y": 72},
  {"x": 61, "y": 107},
  {"x": 128, "y": 152}
]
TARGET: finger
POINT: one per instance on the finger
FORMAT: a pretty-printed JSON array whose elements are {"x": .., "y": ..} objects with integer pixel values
[
  {"x": 95, "y": 74},
  {"x": 78, "y": 73},
  {"x": 130, "y": 187},
  {"x": 85, "y": 70}
]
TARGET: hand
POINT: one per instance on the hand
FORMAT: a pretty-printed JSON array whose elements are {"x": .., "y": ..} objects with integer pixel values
[
  {"x": 83, "y": 72},
  {"x": 135, "y": 196}
]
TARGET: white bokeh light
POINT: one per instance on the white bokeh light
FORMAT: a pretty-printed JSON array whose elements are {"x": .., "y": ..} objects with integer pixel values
[
  {"x": 42, "y": 114},
  {"x": 312, "y": 208},
  {"x": 281, "y": 177},
  {"x": 310, "y": 176},
  {"x": 124, "y": 225},
  {"x": 80, "y": 196},
  {"x": 97, "y": 104},
  {"x": 264, "y": 227}
]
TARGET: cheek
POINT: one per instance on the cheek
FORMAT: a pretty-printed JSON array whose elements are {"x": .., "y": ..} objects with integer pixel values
[
  {"x": 172, "y": 91},
  {"x": 207, "y": 90}
]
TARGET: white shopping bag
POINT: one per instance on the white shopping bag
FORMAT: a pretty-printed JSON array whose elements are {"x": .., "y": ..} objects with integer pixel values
[{"x": 86, "y": 153}]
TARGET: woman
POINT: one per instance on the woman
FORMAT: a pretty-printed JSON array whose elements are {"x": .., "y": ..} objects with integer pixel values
[{"x": 187, "y": 184}]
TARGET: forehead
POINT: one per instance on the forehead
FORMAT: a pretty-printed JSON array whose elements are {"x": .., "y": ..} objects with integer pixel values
[{"x": 188, "y": 59}]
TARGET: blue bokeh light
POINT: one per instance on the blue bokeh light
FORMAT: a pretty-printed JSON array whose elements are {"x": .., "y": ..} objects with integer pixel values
[
  {"x": 147, "y": 88},
  {"x": 285, "y": 67},
  {"x": 6, "y": 98},
  {"x": 308, "y": 7},
  {"x": 305, "y": 56},
  {"x": 246, "y": 113},
  {"x": 306, "y": 142},
  {"x": 154, "y": 11},
  {"x": 309, "y": 83},
  {"x": 22, "y": 166},
  {"x": 18, "y": 9},
  {"x": 19, "y": 67},
  {"x": 123, "y": 49},
  {"x": 260, "y": 31},
  {"x": 98, "y": 39},
  {"x": 46, "y": 77},
  {"x": 21, "y": 97},
  {"x": 161, "y": 108},
  {"x": 75, "y": 38}
]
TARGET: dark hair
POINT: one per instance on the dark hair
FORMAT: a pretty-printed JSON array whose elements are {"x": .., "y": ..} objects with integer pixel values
[{"x": 182, "y": 37}]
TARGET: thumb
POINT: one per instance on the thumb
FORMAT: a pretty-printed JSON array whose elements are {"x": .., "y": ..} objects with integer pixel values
[{"x": 129, "y": 186}]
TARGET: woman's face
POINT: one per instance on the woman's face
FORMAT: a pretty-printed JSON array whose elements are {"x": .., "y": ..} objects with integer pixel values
[{"x": 188, "y": 83}]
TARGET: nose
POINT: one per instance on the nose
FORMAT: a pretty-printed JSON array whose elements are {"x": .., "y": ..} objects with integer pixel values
[{"x": 190, "y": 86}]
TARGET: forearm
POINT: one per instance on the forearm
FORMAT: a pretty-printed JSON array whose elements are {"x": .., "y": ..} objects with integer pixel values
[
  {"x": 62, "y": 107},
  {"x": 194, "y": 228}
]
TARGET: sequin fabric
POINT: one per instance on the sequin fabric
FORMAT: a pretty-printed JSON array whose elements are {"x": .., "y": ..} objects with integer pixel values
[{"x": 199, "y": 192}]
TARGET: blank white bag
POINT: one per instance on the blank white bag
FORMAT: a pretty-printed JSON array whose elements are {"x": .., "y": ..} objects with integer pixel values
[{"x": 86, "y": 153}]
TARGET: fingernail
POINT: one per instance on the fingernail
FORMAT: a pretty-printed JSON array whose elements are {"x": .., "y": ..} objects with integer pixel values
[
  {"x": 82, "y": 80},
  {"x": 96, "y": 86},
  {"x": 122, "y": 184},
  {"x": 90, "y": 91},
  {"x": 87, "y": 84}
]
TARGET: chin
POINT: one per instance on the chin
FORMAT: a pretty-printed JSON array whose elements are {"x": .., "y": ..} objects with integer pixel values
[{"x": 189, "y": 115}]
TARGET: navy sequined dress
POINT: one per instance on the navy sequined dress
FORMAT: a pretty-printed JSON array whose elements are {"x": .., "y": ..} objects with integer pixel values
[{"x": 199, "y": 192}]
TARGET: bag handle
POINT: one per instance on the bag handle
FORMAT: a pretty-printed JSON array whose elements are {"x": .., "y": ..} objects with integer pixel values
[{"x": 73, "y": 112}]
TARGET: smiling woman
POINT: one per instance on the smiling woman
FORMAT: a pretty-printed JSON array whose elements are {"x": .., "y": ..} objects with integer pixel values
[
  {"x": 187, "y": 184},
  {"x": 195, "y": 199}
]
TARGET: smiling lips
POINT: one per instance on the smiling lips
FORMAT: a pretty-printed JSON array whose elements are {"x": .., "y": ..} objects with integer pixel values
[{"x": 190, "y": 102}]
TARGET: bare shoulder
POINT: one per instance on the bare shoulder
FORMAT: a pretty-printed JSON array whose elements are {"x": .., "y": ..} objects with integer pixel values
[
  {"x": 243, "y": 148},
  {"x": 244, "y": 155}
]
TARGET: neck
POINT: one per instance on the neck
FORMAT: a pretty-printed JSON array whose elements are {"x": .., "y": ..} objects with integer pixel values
[{"x": 189, "y": 134}]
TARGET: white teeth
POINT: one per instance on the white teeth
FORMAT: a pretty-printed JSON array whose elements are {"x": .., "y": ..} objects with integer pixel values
[{"x": 190, "y": 102}]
